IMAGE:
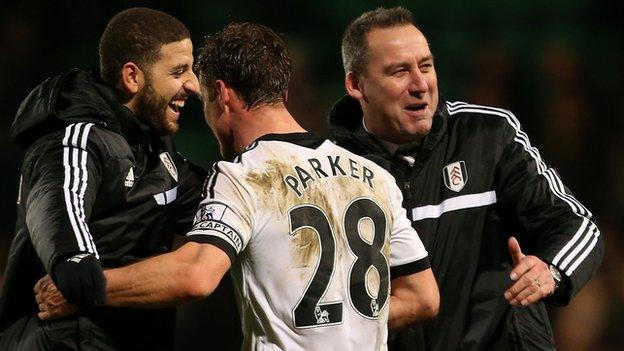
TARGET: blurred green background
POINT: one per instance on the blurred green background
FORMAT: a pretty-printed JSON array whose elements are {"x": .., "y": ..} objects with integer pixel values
[{"x": 556, "y": 64}]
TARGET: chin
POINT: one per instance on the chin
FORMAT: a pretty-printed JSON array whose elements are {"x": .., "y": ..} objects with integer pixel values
[
  {"x": 170, "y": 127},
  {"x": 164, "y": 130},
  {"x": 415, "y": 133},
  {"x": 173, "y": 128},
  {"x": 423, "y": 127},
  {"x": 421, "y": 132}
]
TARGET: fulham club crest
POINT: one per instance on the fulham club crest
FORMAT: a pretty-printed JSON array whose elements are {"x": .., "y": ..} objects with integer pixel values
[
  {"x": 169, "y": 165},
  {"x": 455, "y": 175}
]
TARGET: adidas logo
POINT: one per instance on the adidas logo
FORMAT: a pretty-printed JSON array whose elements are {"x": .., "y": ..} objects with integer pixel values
[
  {"x": 130, "y": 178},
  {"x": 77, "y": 258}
]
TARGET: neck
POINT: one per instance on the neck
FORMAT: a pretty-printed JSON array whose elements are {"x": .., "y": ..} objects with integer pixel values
[
  {"x": 263, "y": 120},
  {"x": 131, "y": 106}
]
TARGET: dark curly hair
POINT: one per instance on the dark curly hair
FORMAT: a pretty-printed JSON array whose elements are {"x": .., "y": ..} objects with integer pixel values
[{"x": 250, "y": 58}]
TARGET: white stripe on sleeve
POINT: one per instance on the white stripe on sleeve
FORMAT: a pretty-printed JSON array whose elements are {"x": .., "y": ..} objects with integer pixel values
[
  {"x": 76, "y": 181},
  {"x": 587, "y": 229}
]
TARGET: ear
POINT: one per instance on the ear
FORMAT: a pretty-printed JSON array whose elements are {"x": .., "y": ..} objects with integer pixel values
[
  {"x": 223, "y": 95},
  {"x": 353, "y": 85},
  {"x": 131, "y": 78}
]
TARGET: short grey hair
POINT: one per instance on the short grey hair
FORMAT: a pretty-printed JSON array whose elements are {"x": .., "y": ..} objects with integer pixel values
[{"x": 354, "y": 44}]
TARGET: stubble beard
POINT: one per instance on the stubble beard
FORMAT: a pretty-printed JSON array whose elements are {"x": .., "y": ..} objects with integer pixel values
[{"x": 151, "y": 108}]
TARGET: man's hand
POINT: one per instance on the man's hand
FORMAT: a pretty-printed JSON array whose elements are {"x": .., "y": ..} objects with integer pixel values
[
  {"x": 532, "y": 278},
  {"x": 52, "y": 304}
]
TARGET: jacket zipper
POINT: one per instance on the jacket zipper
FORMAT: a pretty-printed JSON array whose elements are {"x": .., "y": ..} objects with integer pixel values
[
  {"x": 407, "y": 194},
  {"x": 403, "y": 183}
]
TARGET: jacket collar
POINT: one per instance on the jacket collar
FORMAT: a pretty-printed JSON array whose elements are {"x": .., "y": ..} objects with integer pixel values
[
  {"x": 130, "y": 126},
  {"x": 72, "y": 97}
]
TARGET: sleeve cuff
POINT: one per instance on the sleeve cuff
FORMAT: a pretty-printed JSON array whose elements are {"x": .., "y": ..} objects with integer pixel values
[
  {"x": 216, "y": 241},
  {"x": 410, "y": 268}
]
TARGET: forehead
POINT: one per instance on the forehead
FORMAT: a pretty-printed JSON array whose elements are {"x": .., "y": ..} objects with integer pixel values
[
  {"x": 387, "y": 45},
  {"x": 176, "y": 53}
]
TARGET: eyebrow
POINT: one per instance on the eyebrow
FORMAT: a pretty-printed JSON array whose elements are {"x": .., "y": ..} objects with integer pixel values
[
  {"x": 426, "y": 58},
  {"x": 391, "y": 67},
  {"x": 396, "y": 65}
]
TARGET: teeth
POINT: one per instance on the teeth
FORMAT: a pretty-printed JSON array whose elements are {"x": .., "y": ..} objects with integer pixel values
[{"x": 178, "y": 103}]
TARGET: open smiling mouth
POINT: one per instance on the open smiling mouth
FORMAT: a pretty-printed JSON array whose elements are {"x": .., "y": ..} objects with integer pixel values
[
  {"x": 176, "y": 105},
  {"x": 416, "y": 107}
]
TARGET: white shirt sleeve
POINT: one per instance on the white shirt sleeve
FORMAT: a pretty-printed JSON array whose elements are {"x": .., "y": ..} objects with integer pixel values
[{"x": 225, "y": 215}]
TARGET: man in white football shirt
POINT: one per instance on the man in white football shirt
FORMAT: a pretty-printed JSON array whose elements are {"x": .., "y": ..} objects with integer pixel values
[{"x": 321, "y": 252}]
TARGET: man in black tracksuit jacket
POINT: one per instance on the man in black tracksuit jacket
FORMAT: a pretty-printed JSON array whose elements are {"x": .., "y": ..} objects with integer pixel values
[
  {"x": 101, "y": 186},
  {"x": 471, "y": 180}
]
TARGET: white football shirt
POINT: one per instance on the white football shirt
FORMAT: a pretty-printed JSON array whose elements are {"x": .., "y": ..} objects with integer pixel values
[{"x": 314, "y": 232}]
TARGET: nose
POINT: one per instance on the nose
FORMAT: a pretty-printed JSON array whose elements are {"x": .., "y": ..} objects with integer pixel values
[
  {"x": 418, "y": 85},
  {"x": 192, "y": 84}
]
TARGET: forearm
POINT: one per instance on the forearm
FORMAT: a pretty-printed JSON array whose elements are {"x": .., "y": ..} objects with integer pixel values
[
  {"x": 189, "y": 273},
  {"x": 153, "y": 283},
  {"x": 404, "y": 313},
  {"x": 414, "y": 299}
]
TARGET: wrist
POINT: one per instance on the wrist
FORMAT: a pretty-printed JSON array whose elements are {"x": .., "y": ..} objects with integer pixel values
[
  {"x": 80, "y": 279},
  {"x": 556, "y": 275},
  {"x": 560, "y": 295}
]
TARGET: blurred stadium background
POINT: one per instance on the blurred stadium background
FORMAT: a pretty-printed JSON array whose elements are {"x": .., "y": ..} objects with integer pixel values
[{"x": 557, "y": 65}]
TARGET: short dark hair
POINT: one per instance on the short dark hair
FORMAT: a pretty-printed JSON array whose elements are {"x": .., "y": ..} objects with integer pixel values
[
  {"x": 354, "y": 44},
  {"x": 250, "y": 58},
  {"x": 136, "y": 35}
]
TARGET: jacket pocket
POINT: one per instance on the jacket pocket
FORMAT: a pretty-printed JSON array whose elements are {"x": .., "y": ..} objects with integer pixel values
[{"x": 531, "y": 328}]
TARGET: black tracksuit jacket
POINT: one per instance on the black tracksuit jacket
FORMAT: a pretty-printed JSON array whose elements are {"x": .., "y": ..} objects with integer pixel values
[
  {"x": 475, "y": 182},
  {"x": 94, "y": 179}
]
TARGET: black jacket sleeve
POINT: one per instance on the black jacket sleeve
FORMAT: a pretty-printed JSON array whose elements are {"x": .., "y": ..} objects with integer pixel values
[
  {"x": 555, "y": 226},
  {"x": 62, "y": 174}
]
